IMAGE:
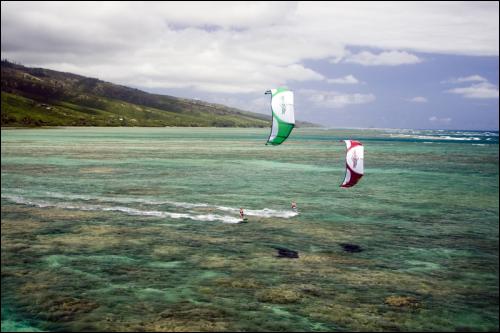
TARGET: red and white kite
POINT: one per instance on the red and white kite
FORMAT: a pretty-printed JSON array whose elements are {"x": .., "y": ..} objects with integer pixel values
[{"x": 354, "y": 163}]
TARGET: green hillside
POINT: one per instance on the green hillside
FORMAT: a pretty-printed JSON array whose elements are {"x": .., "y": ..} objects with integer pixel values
[{"x": 42, "y": 97}]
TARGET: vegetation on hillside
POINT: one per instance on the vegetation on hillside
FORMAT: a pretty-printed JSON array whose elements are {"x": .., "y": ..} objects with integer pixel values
[{"x": 42, "y": 97}]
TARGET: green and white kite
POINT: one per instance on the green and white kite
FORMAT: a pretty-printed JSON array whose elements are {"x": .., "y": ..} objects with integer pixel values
[{"x": 283, "y": 115}]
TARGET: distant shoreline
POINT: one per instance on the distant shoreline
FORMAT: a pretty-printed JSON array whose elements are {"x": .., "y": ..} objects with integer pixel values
[{"x": 255, "y": 127}]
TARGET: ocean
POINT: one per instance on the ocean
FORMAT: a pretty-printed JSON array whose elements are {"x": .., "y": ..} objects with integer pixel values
[{"x": 136, "y": 229}]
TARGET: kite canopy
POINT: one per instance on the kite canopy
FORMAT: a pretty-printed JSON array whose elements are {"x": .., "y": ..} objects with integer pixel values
[
  {"x": 354, "y": 163},
  {"x": 283, "y": 115}
]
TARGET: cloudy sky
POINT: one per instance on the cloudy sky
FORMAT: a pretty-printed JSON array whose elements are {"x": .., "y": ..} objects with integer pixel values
[{"x": 361, "y": 64}]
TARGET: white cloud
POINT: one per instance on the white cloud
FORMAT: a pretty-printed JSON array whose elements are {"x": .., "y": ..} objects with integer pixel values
[
  {"x": 235, "y": 46},
  {"x": 467, "y": 28},
  {"x": 336, "y": 100},
  {"x": 348, "y": 79},
  {"x": 389, "y": 58},
  {"x": 440, "y": 121},
  {"x": 418, "y": 99},
  {"x": 471, "y": 78},
  {"x": 479, "y": 90}
]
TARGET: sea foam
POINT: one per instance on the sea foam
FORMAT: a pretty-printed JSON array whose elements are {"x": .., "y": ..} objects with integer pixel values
[{"x": 192, "y": 215}]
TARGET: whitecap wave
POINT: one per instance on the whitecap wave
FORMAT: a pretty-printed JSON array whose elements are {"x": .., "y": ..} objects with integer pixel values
[
  {"x": 265, "y": 212},
  {"x": 125, "y": 200},
  {"x": 127, "y": 210},
  {"x": 435, "y": 137}
]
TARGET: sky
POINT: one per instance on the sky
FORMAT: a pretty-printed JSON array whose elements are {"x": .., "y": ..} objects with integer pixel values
[{"x": 422, "y": 65}]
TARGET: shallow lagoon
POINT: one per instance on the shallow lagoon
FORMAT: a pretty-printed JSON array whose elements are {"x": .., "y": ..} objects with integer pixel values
[{"x": 127, "y": 229}]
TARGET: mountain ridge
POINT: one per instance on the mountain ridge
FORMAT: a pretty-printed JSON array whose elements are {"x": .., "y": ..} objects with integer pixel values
[{"x": 42, "y": 97}]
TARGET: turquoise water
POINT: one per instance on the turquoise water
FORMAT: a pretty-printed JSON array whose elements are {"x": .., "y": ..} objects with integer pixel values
[{"x": 129, "y": 229}]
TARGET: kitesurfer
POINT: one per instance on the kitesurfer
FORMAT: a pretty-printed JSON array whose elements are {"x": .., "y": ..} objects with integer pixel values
[
  {"x": 294, "y": 205},
  {"x": 242, "y": 215}
]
